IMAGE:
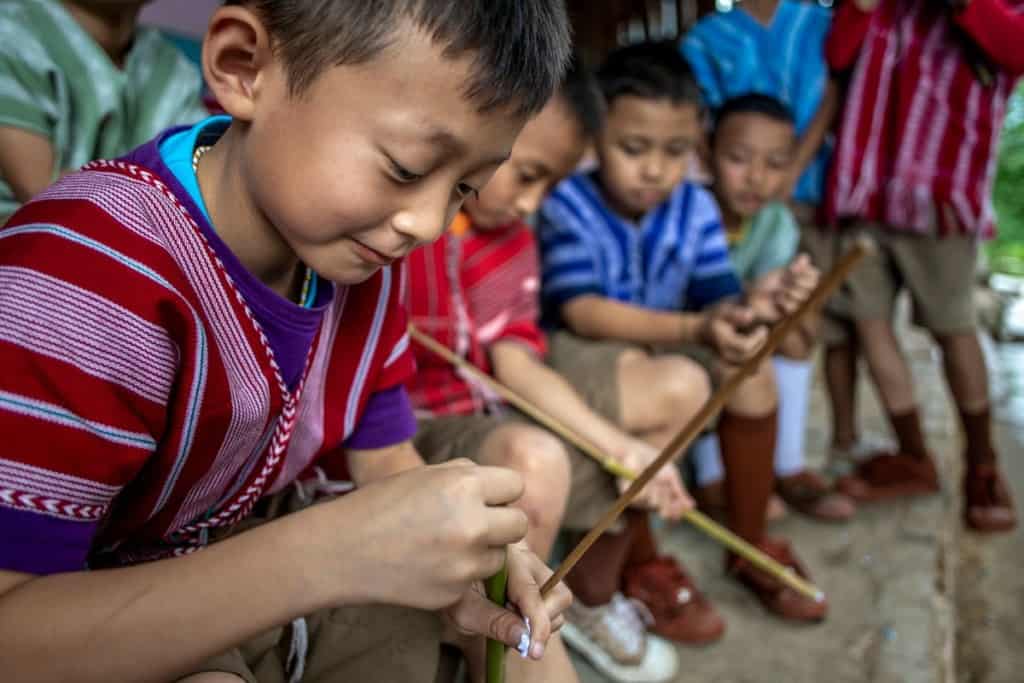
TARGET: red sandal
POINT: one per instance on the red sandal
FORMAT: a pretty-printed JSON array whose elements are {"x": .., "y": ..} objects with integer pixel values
[
  {"x": 889, "y": 476},
  {"x": 988, "y": 505}
]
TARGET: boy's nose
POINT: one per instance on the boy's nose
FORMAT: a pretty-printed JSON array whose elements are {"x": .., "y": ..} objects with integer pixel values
[{"x": 528, "y": 202}]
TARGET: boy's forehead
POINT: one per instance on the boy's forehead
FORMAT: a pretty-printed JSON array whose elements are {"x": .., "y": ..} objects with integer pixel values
[
  {"x": 657, "y": 115},
  {"x": 755, "y": 125}
]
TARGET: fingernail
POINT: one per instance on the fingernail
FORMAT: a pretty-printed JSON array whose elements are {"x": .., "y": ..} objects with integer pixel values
[{"x": 537, "y": 651}]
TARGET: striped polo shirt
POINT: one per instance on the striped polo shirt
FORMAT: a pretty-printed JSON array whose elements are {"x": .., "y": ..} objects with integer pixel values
[{"x": 674, "y": 258}]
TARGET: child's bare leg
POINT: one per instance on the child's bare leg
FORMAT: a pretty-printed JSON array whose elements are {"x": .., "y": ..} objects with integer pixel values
[
  {"x": 556, "y": 666},
  {"x": 841, "y": 383},
  {"x": 658, "y": 394},
  {"x": 888, "y": 367},
  {"x": 542, "y": 460}
]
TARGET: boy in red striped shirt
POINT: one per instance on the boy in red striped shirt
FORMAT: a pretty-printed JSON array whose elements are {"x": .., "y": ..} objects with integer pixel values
[
  {"x": 185, "y": 330},
  {"x": 476, "y": 290},
  {"x": 913, "y": 168}
]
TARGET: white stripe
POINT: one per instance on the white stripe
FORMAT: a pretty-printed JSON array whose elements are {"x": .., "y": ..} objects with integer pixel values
[
  {"x": 45, "y": 482},
  {"x": 399, "y": 348},
  {"x": 54, "y": 318},
  {"x": 368, "y": 351}
]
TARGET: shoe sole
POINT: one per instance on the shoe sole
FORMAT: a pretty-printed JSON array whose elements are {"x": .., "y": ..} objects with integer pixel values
[{"x": 647, "y": 671}]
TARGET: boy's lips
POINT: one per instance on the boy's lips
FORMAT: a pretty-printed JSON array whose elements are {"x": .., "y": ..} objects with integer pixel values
[{"x": 371, "y": 255}]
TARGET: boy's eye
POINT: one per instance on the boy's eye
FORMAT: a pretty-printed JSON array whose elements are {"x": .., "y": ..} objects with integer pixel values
[
  {"x": 677, "y": 150},
  {"x": 632, "y": 149},
  {"x": 402, "y": 174}
]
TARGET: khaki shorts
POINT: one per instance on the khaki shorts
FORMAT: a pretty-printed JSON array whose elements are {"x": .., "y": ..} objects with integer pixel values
[
  {"x": 368, "y": 643},
  {"x": 937, "y": 272},
  {"x": 592, "y": 490},
  {"x": 824, "y": 248},
  {"x": 591, "y": 367}
]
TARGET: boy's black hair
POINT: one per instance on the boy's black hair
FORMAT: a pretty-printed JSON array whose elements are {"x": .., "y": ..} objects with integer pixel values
[
  {"x": 581, "y": 91},
  {"x": 651, "y": 70},
  {"x": 754, "y": 103},
  {"x": 521, "y": 46}
]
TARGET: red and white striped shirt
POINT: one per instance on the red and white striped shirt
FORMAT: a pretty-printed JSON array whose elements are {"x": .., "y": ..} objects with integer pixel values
[
  {"x": 918, "y": 135},
  {"x": 469, "y": 290},
  {"x": 140, "y": 403}
]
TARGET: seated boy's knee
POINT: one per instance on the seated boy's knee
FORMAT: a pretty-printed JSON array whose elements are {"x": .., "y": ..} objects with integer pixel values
[
  {"x": 682, "y": 382},
  {"x": 537, "y": 455}
]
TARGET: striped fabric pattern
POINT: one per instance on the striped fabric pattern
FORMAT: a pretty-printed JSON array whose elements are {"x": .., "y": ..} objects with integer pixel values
[
  {"x": 165, "y": 405},
  {"x": 677, "y": 256},
  {"x": 55, "y": 81},
  {"x": 732, "y": 53},
  {"x": 919, "y": 132},
  {"x": 468, "y": 293}
]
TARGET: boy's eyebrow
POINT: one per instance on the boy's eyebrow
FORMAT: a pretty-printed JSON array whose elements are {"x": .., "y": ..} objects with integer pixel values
[{"x": 453, "y": 145}]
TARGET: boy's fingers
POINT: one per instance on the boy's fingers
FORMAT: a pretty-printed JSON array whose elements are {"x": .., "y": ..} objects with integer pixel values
[
  {"x": 505, "y": 525},
  {"x": 500, "y": 486},
  {"x": 477, "y": 615},
  {"x": 524, "y": 591}
]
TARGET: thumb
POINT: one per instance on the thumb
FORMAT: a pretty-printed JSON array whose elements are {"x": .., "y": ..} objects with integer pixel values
[{"x": 477, "y": 615}]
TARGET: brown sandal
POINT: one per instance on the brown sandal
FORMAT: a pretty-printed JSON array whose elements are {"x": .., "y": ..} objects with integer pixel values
[
  {"x": 776, "y": 597},
  {"x": 888, "y": 476},
  {"x": 681, "y": 612},
  {"x": 810, "y": 493},
  {"x": 988, "y": 505}
]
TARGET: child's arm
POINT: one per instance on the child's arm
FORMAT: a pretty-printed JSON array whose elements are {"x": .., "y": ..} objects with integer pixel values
[
  {"x": 814, "y": 136},
  {"x": 367, "y": 466},
  {"x": 419, "y": 539},
  {"x": 26, "y": 162},
  {"x": 599, "y": 317},
  {"x": 996, "y": 28},
  {"x": 519, "y": 369}
]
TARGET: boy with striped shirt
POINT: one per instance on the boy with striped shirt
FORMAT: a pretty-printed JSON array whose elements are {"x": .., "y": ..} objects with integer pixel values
[
  {"x": 79, "y": 80},
  {"x": 915, "y": 158},
  {"x": 187, "y": 329},
  {"x": 636, "y": 273}
]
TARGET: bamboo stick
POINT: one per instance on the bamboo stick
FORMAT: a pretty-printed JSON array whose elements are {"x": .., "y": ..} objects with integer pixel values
[{"x": 695, "y": 517}]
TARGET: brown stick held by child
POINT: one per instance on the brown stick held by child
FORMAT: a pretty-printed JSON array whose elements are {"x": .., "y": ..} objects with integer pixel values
[{"x": 821, "y": 293}]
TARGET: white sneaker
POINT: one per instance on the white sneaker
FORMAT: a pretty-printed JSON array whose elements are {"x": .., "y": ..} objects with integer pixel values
[{"x": 614, "y": 639}]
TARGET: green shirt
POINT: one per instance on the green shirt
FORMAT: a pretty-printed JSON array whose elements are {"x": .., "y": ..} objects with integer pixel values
[
  {"x": 768, "y": 243},
  {"x": 55, "y": 80}
]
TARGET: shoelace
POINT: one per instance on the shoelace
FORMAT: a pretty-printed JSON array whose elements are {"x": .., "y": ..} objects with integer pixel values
[
  {"x": 311, "y": 488},
  {"x": 628, "y": 620}
]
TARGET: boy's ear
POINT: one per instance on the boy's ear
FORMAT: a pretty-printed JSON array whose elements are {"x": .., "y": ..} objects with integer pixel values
[{"x": 237, "y": 52}]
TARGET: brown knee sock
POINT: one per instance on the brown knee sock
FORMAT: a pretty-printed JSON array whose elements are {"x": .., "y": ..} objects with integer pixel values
[
  {"x": 978, "y": 434},
  {"x": 596, "y": 577},
  {"x": 908, "y": 432},
  {"x": 642, "y": 548},
  {"x": 748, "y": 457}
]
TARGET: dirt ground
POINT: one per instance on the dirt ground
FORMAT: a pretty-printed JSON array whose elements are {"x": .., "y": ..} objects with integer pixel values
[{"x": 912, "y": 597}]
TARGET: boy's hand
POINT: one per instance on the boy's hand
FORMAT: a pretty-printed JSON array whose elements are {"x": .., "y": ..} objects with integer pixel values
[
  {"x": 474, "y": 614},
  {"x": 665, "y": 493},
  {"x": 781, "y": 291},
  {"x": 422, "y": 537},
  {"x": 723, "y": 330}
]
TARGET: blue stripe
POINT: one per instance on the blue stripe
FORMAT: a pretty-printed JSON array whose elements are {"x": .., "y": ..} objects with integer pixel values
[{"x": 61, "y": 415}]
